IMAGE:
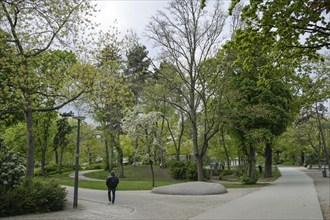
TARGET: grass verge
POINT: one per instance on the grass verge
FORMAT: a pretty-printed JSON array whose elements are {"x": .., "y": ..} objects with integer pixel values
[{"x": 139, "y": 178}]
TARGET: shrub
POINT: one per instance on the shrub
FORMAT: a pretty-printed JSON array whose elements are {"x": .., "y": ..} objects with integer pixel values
[
  {"x": 32, "y": 196},
  {"x": 240, "y": 170},
  {"x": 94, "y": 166},
  {"x": 226, "y": 172},
  {"x": 184, "y": 170},
  {"x": 12, "y": 169},
  {"x": 53, "y": 168},
  {"x": 245, "y": 179}
]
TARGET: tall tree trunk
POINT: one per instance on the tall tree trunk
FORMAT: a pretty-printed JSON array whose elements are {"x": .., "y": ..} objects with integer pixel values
[
  {"x": 61, "y": 158},
  {"x": 322, "y": 140},
  {"x": 161, "y": 147},
  {"x": 152, "y": 172},
  {"x": 45, "y": 145},
  {"x": 149, "y": 143},
  {"x": 251, "y": 161},
  {"x": 30, "y": 143},
  {"x": 136, "y": 146},
  {"x": 43, "y": 161},
  {"x": 319, "y": 159},
  {"x": 90, "y": 157},
  {"x": 112, "y": 153},
  {"x": 180, "y": 137},
  {"x": 225, "y": 147},
  {"x": 198, "y": 155},
  {"x": 199, "y": 161},
  {"x": 107, "y": 159},
  {"x": 302, "y": 158},
  {"x": 155, "y": 155},
  {"x": 56, "y": 154},
  {"x": 269, "y": 159},
  {"x": 120, "y": 155}
]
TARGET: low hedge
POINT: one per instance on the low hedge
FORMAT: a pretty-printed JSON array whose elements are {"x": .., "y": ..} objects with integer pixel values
[
  {"x": 94, "y": 166},
  {"x": 183, "y": 170},
  {"x": 52, "y": 169},
  {"x": 32, "y": 196}
]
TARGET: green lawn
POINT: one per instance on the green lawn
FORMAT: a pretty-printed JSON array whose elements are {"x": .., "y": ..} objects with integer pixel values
[
  {"x": 136, "y": 178},
  {"x": 139, "y": 178},
  {"x": 136, "y": 173},
  {"x": 123, "y": 185}
]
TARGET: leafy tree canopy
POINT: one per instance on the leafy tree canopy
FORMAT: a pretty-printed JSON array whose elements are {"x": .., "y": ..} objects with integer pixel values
[{"x": 301, "y": 24}]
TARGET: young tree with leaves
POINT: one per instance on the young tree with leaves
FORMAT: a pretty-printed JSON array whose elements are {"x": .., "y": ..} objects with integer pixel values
[
  {"x": 60, "y": 139},
  {"x": 111, "y": 95},
  {"x": 44, "y": 131},
  {"x": 148, "y": 128}
]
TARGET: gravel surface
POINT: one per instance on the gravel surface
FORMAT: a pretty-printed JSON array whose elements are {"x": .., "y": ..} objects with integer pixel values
[{"x": 322, "y": 186}]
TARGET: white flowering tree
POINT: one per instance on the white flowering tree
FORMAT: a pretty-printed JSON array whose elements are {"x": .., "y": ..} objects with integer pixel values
[
  {"x": 12, "y": 169},
  {"x": 146, "y": 125}
]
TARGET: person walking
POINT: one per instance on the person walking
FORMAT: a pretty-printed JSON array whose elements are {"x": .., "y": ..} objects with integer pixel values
[{"x": 112, "y": 182}]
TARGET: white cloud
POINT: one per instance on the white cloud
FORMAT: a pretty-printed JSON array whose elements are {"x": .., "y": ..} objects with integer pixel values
[{"x": 129, "y": 14}]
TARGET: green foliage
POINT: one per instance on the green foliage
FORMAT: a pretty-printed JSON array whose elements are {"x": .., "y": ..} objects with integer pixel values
[
  {"x": 289, "y": 21},
  {"x": 11, "y": 169},
  {"x": 63, "y": 129},
  {"x": 94, "y": 166},
  {"x": 135, "y": 173},
  {"x": 245, "y": 177},
  {"x": 32, "y": 196},
  {"x": 248, "y": 180},
  {"x": 136, "y": 178},
  {"x": 53, "y": 168},
  {"x": 14, "y": 138},
  {"x": 252, "y": 179},
  {"x": 183, "y": 170},
  {"x": 137, "y": 66},
  {"x": 226, "y": 172},
  {"x": 240, "y": 170}
]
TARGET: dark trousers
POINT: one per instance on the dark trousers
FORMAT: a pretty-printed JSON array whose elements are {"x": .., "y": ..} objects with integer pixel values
[{"x": 113, "y": 192}]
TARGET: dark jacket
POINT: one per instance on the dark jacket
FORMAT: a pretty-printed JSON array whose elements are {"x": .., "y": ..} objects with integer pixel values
[{"x": 112, "y": 181}]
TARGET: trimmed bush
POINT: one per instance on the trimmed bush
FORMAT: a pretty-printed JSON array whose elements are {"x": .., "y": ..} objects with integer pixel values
[
  {"x": 94, "y": 166},
  {"x": 245, "y": 179},
  {"x": 32, "y": 196},
  {"x": 183, "y": 170},
  {"x": 53, "y": 168},
  {"x": 242, "y": 171}
]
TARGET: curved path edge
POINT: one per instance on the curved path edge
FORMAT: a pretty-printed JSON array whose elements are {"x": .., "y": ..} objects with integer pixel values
[
  {"x": 82, "y": 177},
  {"x": 292, "y": 196}
]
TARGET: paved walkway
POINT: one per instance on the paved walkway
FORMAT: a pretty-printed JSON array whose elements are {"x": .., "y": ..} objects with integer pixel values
[
  {"x": 82, "y": 177},
  {"x": 292, "y": 196}
]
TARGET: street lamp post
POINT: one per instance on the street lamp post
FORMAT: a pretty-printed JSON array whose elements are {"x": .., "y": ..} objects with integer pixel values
[{"x": 75, "y": 192}]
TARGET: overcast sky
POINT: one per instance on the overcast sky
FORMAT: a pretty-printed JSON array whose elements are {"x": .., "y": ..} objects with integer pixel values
[
  {"x": 129, "y": 15},
  {"x": 133, "y": 15}
]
